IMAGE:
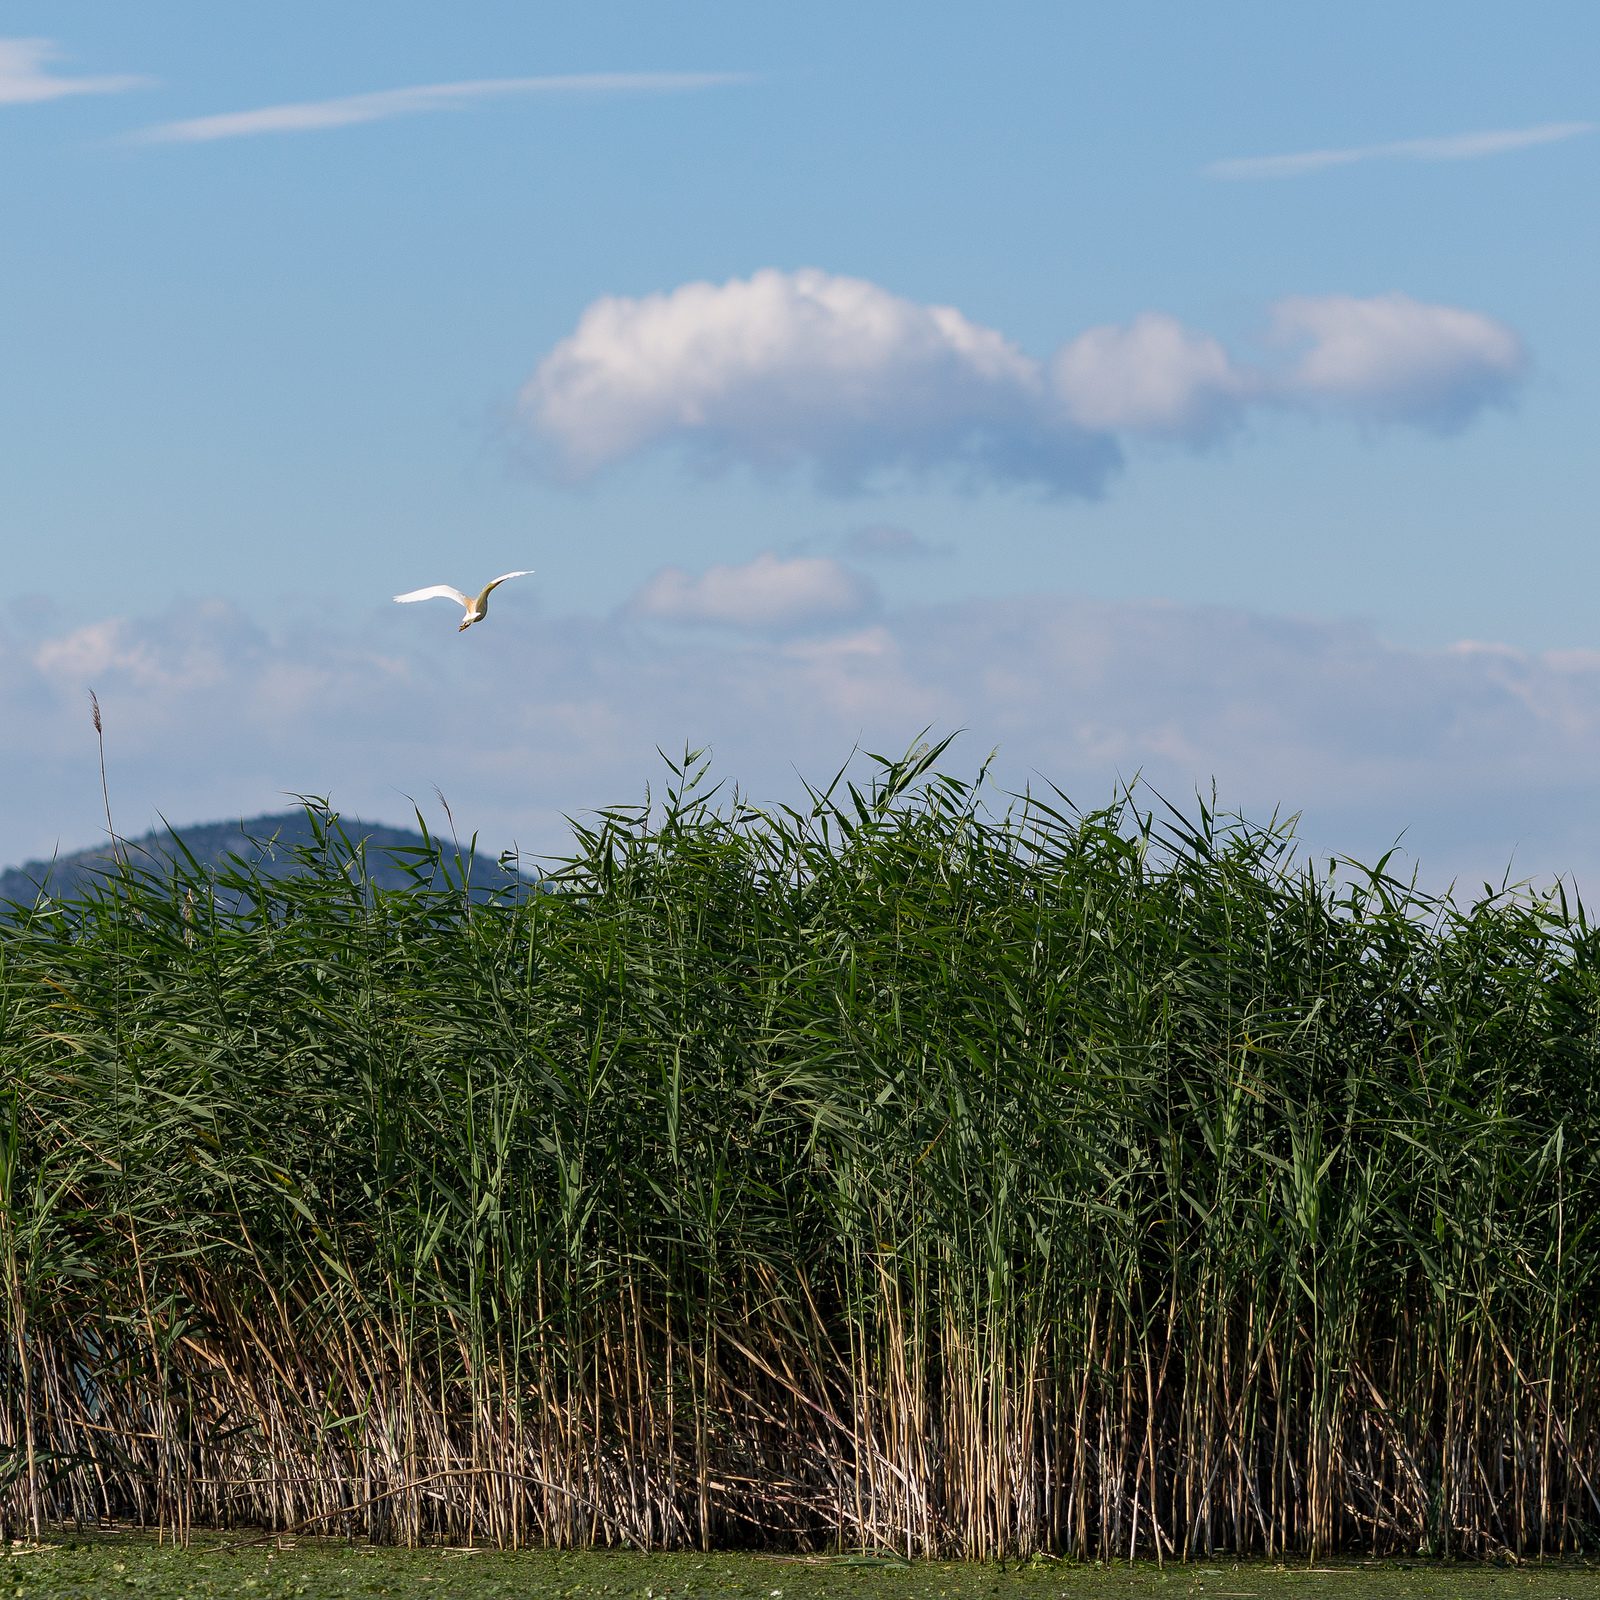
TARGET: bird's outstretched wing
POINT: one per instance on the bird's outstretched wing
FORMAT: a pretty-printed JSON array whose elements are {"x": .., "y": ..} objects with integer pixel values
[
  {"x": 501, "y": 579},
  {"x": 439, "y": 591}
]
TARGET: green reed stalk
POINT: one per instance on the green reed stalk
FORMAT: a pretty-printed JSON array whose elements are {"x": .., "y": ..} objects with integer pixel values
[{"x": 886, "y": 1172}]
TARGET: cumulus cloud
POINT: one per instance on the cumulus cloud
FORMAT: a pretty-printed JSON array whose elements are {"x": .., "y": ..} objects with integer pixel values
[
  {"x": 1452, "y": 147},
  {"x": 1154, "y": 376},
  {"x": 24, "y": 79},
  {"x": 807, "y": 369},
  {"x": 1476, "y": 752},
  {"x": 310, "y": 116},
  {"x": 766, "y": 593},
  {"x": 1394, "y": 359},
  {"x": 781, "y": 369}
]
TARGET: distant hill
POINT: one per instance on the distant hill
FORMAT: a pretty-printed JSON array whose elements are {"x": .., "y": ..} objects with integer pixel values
[{"x": 268, "y": 840}]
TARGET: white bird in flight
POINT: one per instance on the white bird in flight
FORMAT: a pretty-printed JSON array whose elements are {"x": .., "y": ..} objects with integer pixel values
[{"x": 477, "y": 608}]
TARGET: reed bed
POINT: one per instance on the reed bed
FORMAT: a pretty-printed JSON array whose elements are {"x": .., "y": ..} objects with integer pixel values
[{"x": 895, "y": 1172}]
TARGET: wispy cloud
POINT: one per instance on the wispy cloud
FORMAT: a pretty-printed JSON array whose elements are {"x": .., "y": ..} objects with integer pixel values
[
  {"x": 807, "y": 369},
  {"x": 1453, "y": 147},
  {"x": 24, "y": 81},
  {"x": 312, "y": 115}
]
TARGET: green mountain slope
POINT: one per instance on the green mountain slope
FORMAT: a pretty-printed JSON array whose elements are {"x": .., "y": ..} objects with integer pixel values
[{"x": 269, "y": 840}]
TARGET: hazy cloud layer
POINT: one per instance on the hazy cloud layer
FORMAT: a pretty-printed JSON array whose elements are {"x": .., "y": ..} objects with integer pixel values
[
  {"x": 884, "y": 541},
  {"x": 1478, "y": 750},
  {"x": 767, "y": 593},
  {"x": 24, "y": 79},
  {"x": 1453, "y": 147},
  {"x": 836, "y": 374},
  {"x": 314, "y": 115}
]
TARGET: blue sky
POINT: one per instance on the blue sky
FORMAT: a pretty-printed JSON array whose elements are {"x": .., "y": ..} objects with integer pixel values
[{"x": 252, "y": 385}]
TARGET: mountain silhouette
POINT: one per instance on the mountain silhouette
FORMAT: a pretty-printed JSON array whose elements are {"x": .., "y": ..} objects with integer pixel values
[{"x": 268, "y": 841}]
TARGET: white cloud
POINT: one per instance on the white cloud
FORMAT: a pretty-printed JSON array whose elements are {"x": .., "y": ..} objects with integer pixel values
[
  {"x": 1453, "y": 147},
  {"x": 782, "y": 370},
  {"x": 312, "y": 115},
  {"x": 785, "y": 368},
  {"x": 1155, "y": 376},
  {"x": 769, "y": 592},
  {"x": 1391, "y": 358},
  {"x": 1475, "y": 751},
  {"x": 24, "y": 80}
]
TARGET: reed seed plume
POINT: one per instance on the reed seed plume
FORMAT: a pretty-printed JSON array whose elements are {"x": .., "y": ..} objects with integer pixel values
[
  {"x": 105, "y": 788},
  {"x": 886, "y": 1171}
]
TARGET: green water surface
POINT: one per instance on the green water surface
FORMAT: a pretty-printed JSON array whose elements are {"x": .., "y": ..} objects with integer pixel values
[{"x": 134, "y": 1564}]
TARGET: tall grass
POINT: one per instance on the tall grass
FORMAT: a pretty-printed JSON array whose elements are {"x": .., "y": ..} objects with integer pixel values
[{"x": 887, "y": 1172}]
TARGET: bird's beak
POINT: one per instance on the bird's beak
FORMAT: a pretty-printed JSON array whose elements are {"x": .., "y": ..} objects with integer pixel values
[{"x": 465, "y": 625}]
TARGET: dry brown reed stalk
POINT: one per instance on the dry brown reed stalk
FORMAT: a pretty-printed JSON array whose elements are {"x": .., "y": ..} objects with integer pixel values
[{"x": 885, "y": 1176}]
